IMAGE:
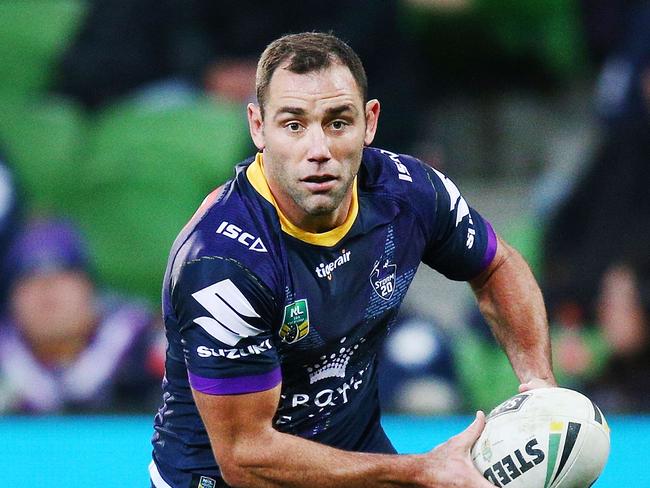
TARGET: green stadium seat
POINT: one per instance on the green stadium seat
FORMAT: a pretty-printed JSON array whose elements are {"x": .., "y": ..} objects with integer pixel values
[
  {"x": 147, "y": 170},
  {"x": 41, "y": 136},
  {"x": 42, "y": 140},
  {"x": 33, "y": 33}
]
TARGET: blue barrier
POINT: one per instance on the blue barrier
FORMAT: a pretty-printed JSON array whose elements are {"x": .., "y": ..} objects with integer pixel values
[{"x": 113, "y": 451}]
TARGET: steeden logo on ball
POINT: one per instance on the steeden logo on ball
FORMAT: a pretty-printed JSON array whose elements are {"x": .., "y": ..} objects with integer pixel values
[{"x": 543, "y": 438}]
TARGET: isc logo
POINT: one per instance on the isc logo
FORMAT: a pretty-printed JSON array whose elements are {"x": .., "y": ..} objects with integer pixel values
[
  {"x": 250, "y": 241},
  {"x": 402, "y": 171}
]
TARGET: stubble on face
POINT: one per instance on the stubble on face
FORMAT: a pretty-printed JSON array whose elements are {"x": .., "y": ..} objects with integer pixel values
[
  {"x": 318, "y": 204},
  {"x": 314, "y": 136}
]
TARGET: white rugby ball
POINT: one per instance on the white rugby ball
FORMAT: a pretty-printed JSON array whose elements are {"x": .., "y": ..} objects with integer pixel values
[{"x": 543, "y": 438}]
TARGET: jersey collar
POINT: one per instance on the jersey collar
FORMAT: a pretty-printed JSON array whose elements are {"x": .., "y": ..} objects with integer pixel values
[{"x": 255, "y": 174}]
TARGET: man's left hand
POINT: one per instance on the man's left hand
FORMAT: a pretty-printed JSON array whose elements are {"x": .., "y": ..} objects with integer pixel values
[{"x": 537, "y": 383}]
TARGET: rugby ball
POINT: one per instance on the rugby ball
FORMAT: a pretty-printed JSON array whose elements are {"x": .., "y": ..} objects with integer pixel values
[{"x": 543, "y": 438}]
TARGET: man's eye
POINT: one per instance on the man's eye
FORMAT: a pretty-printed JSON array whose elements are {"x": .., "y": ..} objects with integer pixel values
[
  {"x": 338, "y": 125},
  {"x": 293, "y": 126}
]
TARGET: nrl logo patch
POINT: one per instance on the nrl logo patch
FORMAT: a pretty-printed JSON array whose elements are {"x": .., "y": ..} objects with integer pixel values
[
  {"x": 206, "y": 482},
  {"x": 295, "y": 324},
  {"x": 382, "y": 278}
]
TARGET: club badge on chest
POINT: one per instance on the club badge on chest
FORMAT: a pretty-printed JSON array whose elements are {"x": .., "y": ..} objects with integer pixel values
[{"x": 382, "y": 278}]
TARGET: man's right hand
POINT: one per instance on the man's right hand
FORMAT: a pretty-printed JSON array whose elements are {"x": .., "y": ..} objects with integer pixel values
[
  {"x": 451, "y": 462},
  {"x": 251, "y": 453}
]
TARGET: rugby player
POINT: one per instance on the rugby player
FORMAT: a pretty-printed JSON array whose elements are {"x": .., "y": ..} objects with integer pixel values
[{"x": 280, "y": 290}]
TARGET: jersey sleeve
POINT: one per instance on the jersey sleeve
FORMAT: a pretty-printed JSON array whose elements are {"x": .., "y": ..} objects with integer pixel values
[
  {"x": 462, "y": 243},
  {"x": 225, "y": 316}
]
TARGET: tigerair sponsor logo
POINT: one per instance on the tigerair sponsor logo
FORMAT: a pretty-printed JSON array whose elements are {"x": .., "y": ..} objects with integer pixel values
[
  {"x": 252, "y": 350},
  {"x": 324, "y": 270},
  {"x": 237, "y": 233}
]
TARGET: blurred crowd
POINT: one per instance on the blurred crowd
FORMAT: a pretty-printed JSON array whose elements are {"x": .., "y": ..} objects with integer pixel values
[{"x": 118, "y": 116}]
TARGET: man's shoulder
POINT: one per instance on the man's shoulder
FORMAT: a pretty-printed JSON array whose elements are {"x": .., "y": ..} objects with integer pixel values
[
  {"x": 399, "y": 176},
  {"x": 229, "y": 227},
  {"x": 231, "y": 214}
]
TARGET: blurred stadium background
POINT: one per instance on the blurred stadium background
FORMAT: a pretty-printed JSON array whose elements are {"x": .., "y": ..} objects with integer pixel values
[
  {"x": 114, "y": 451},
  {"x": 122, "y": 114}
]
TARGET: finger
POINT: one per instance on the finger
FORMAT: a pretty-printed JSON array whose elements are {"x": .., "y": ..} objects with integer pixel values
[
  {"x": 473, "y": 432},
  {"x": 535, "y": 383},
  {"x": 468, "y": 437}
]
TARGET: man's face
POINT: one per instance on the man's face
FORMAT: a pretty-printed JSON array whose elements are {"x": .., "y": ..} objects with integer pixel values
[{"x": 312, "y": 136}]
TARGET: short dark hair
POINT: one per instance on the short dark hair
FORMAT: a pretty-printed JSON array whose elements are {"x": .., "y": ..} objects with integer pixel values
[{"x": 307, "y": 52}]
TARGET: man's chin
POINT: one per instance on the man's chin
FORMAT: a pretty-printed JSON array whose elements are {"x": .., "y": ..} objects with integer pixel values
[
  {"x": 320, "y": 204},
  {"x": 320, "y": 210}
]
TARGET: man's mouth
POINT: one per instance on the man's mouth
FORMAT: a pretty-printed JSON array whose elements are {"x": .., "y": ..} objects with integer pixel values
[{"x": 320, "y": 183}]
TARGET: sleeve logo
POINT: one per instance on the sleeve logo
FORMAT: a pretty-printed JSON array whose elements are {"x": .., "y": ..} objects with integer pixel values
[
  {"x": 402, "y": 170},
  {"x": 229, "y": 310},
  {"x": 237, "y": 233},
  {"x": 295, "y": 325},
  {"x": 457, "y": 201},
  {"x": 455, "y": 198}
]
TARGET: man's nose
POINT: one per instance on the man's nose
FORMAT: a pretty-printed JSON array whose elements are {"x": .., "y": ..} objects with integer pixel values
[{"x": 319, "y": 150}]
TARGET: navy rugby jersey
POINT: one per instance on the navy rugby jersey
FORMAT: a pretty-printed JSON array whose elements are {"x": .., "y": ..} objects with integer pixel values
[{"x": 251, "y": 301}]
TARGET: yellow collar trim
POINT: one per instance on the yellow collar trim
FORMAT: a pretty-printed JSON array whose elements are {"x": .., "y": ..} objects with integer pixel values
[{"x": 255, "y": 174}]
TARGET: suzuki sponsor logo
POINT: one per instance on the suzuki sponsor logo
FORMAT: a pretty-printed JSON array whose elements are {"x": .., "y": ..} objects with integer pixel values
[
  {"x": 237, "y": 233},
  {"x": 224, "y": 300},
  {"x": 252, "y": 350},
  {"x": 325, "y": 270}
]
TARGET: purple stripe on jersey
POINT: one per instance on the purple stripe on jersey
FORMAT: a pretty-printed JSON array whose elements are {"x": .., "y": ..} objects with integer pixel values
[
  {"x": 491, "y": 248},
  {"x": 238, "y": 385}
]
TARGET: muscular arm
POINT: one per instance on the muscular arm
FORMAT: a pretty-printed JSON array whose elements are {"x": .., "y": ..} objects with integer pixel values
[
  {"x": 511, "y": 302},
  {"x": 251, "y": 453}
]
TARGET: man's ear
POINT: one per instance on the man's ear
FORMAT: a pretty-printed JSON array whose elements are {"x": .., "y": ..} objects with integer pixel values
[
  {"x": 372, "y": 118},
  {"x": 256, "y": 125}
]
